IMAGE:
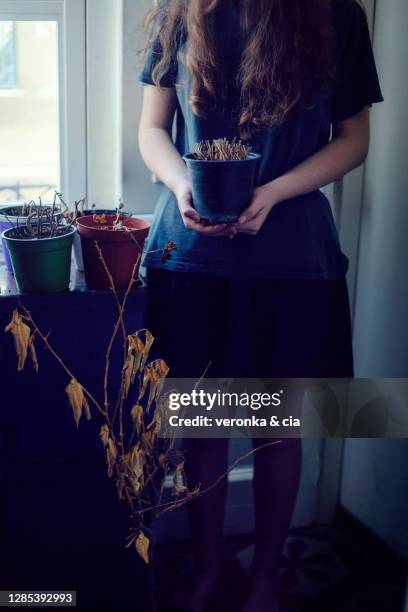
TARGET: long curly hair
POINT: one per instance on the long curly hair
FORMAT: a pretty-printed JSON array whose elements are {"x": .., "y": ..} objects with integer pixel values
[{"x": 288, "y": 53}]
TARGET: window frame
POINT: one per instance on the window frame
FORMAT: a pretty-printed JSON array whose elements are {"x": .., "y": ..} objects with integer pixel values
[
  {"x": 13, "y": 82},
  {"x": 71, "y": 23}
]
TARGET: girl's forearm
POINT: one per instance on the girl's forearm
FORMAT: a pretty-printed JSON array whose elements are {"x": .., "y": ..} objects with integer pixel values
[
  {"x": 331, "y": 163},
  {"x": 162, "y": 157}
]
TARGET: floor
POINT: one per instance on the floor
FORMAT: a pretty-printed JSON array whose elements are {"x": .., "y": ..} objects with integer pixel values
[{"x": 322, "y": 570}]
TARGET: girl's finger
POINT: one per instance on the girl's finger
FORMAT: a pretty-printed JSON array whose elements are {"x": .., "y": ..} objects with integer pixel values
[
  {"x": 190, "y": 213},
  {"x": 209, "y": 230},
  {"x": 212, "y": 229},
  {"x": 249, "y": 214}
]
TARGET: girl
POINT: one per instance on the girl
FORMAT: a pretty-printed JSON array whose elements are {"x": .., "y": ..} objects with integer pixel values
[{"x": 267, "y": 296}]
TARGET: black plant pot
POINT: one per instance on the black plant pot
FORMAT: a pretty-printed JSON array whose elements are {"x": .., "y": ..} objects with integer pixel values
[{"x": 222, "y": 190}]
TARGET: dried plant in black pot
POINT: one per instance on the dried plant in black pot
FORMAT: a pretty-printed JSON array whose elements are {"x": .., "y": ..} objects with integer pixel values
[
  {"x": 39, "y": 243},
  {"x": 222, "y": 175}
]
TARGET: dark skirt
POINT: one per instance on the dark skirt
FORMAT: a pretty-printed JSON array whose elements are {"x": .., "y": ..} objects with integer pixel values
[{"x": 250, "y": 327}]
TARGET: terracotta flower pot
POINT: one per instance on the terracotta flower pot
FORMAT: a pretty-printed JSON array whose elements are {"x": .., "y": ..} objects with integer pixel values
[
  {"x": 77, "y": 239},
  {"x": 121, "y": 249}
]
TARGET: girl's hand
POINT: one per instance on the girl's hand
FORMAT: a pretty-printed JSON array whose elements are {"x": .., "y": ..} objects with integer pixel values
[
  {"x": 190, "y": 216},
  {"x": 253, "y": 218}
]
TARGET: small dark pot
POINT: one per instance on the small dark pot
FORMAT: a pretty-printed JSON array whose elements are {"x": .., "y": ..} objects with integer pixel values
[
  {"x": 41, "y": 265},
  {"x": 9, "y": 218},
  {"x": 121, "y": 250},
  {"x": 222, "y": 190}
]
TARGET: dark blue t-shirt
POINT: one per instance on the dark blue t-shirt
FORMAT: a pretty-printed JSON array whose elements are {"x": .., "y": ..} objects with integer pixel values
[{"x": 299, "y": 237}]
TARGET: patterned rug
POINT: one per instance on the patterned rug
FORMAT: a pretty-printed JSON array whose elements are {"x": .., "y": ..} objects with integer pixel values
[{"x": 322, "y": 570}]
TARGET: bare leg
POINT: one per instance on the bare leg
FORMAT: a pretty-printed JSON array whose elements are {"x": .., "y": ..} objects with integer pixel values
[
  {"x": 206, "y": 460},
  {"x": 276, "y": 481}
]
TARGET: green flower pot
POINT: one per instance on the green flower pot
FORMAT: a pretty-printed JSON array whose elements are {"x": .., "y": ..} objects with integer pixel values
[{"x": 41, "y": 266}]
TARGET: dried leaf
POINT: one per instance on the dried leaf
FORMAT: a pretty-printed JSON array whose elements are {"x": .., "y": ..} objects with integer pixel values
[
  {"x": 135, "y": 347},
  {"x": 21, "y": 334},
  {"x": 137, "y": 466},
  {"x": 33, "y": 354},
  {"x": 149, "y": 339},
  {"x": 140, "y": 346},
  {"x": 104, "y": 434},
  {"x": 128, "y": 373},
  {"x": 137, "y": 416},
  {"x": 142, "y": 546},
  {"x": 134, "y": 464},
  {"x": 166, "y": 255},
  {"x": 178, "y": 480},
  {"x": 156, "y": 422},
  {"x": 111, "y": 455},
  {"x": 77, "y": 400},
  {"x": 163, "y": 405},
  {"x": 154, "y": 375},
  {"x": 110, "y": 448}
]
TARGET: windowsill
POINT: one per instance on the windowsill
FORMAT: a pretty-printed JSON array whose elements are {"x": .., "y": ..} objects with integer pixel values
[{"x": 8, "y": 287}]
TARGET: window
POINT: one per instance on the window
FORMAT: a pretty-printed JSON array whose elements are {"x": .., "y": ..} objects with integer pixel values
[
  {"x": 42, "y": 99},
  {"x": 8, "y": 73},
  {"x": 29, "y": 120}
]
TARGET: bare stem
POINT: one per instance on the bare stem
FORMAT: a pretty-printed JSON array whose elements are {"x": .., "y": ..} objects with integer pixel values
[
  {"x": 47, "y": 344},
  {"x": 195, "y": 495},
  {"x": 119, "y": 323}
]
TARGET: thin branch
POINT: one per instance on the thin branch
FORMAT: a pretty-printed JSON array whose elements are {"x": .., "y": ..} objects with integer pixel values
[
  {"x": 46, "y": 342},
  {"x": 203, "y": 375},
  {"x": 178, "y": 503},
  {"x": 120, "y": 321}
]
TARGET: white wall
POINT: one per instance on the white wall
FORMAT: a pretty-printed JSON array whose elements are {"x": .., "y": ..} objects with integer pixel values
[
  {"x": 381, "y": 309},
  {"x": 115, "y": 35},
  {"x": 104, "y": 93},
  {"x": 139, "y": 192},
  {"x": 375, "y": 472}
]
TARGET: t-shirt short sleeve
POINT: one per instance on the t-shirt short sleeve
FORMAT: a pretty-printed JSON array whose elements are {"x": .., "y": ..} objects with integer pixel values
[
  {"x": 153, "y": 56},
  {"x": 356, "y": 81}
]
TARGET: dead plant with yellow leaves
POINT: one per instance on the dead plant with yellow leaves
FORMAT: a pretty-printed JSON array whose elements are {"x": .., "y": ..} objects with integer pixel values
[{"x": 137, "y": 459}]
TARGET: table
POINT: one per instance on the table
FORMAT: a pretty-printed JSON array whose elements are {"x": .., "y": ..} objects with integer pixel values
[{"x": 65, "y": 528}]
